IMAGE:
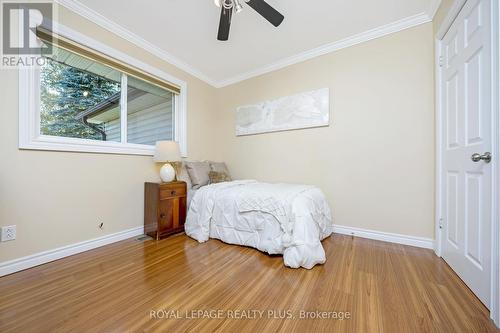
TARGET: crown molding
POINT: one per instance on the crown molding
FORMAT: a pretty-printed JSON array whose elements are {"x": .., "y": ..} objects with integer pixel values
[
  {"x": 95, "y": 17},
  {"x": 433, "y": 8},
  {"x": 448, "y": 20},
  {"x": 403, "y": 24},
  {"x": 366, "y": 36}
]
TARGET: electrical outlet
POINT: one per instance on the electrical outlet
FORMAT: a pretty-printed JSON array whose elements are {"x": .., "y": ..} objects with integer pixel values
[{"x": 8, "y": 233}]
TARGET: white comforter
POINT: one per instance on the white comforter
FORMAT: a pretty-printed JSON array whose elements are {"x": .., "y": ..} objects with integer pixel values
[{"x": 274, "y": 218}]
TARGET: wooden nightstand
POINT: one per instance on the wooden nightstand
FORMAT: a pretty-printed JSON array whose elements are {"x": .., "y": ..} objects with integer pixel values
[{"x": 164, "y": 208}]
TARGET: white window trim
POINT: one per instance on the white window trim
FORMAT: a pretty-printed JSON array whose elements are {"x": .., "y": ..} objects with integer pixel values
[{"x": 29, "y": 108}]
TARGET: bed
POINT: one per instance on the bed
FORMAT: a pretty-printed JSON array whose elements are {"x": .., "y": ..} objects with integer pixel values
[{"x": 286, "y": 219}]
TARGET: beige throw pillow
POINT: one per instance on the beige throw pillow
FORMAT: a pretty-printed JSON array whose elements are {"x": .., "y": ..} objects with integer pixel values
[
  {"x": 219, "y": 167},
  {"x": 198, "y": 172},
  {"x": 218, "y": 177},
  {"x": 182, "y": 174}
]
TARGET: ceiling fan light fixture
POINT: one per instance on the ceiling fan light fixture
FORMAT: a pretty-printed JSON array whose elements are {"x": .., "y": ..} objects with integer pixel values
[
  {"x": 237, "y": 6},
  {"x": 229, "y": 7}
]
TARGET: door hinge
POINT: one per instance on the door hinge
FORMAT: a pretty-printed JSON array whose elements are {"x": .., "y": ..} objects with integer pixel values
[
  {"x": 440, "y": 223},
  {"x": 441, "y": 61}
]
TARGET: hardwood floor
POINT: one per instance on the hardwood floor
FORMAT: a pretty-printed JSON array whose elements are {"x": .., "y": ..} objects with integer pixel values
[{"x": 384, "y": 287}]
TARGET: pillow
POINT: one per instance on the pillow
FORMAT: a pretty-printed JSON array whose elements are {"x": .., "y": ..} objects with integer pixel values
[
  {"x": 198, "y": 172},
  {"x": 219, "y": 167},
  {"x": 218, "y": 177},
  {"x": 182, "y": 173}
]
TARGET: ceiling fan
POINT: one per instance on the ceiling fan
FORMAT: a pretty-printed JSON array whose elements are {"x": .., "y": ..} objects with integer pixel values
[{"x": 260, "y": 6}]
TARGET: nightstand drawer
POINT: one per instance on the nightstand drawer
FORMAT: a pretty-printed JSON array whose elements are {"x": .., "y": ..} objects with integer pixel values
[
  {"x": 173, "y": 191},
  {"x": 165, "y": 208}
]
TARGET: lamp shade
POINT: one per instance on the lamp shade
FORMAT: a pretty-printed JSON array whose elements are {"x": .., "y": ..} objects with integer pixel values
[{"x": 167, "y": 151}]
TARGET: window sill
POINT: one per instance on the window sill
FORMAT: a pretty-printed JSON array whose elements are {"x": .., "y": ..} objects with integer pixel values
[{"x": 86, "y": 146}]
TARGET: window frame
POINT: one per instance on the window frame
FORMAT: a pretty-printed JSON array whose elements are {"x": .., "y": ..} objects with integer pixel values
[{"x": 29, "y": 107}]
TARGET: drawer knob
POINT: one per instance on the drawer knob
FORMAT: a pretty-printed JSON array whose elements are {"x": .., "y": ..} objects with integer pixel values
[
  {"x": 162, "y": 215},
  {"x": 172, "y": 192}
]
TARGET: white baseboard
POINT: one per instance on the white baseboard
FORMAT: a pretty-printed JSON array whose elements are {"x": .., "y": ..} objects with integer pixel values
[
  {"x": 426, "y": 243},
  {"x": 9, "y": 267}
]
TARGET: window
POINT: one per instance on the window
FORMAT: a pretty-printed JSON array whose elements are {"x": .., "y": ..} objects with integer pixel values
[
  {"x": 79, "y": 98},
  {"x": 85, "y": 100},
  {"x": 150, "y": 113}
]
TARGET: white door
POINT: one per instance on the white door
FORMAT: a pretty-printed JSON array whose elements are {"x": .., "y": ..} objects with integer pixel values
[{"x": 467, "y": 116}]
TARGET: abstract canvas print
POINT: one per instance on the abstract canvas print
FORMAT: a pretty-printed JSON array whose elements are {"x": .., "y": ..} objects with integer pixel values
[{"x": 305, "y": 110}]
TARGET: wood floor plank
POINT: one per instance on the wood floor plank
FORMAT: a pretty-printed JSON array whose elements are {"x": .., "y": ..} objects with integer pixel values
[{"x": 383, "y": 287}]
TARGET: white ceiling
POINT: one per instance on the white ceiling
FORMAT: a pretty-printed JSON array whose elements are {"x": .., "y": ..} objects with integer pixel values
[{"x": 186, "y": 30}]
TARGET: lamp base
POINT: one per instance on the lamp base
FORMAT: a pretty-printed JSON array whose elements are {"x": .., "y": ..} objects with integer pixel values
[{"x": 167, "y": 173}]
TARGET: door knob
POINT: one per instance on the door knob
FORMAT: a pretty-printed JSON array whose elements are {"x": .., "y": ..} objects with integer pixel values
[{"x": 485, "y": 157}]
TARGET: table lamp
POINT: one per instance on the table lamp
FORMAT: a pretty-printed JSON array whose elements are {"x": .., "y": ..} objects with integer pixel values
[{"x": 165, "y": 152}]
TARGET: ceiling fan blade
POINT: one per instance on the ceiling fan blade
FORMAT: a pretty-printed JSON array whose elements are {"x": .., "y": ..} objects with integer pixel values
[
  {"x": 268, "y": 12},
  {"x": 224, "y": 24}
]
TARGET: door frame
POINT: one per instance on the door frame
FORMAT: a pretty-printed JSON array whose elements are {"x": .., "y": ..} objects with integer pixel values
[{"x": 495, "y": 221}]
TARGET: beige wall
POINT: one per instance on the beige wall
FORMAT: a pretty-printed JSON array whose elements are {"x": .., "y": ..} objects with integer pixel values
[
  {"x": 55, "y": 198},
  {"x": 375, "y": 163}
]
